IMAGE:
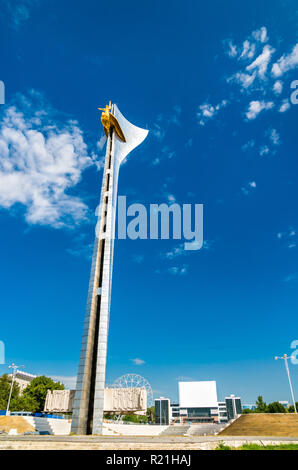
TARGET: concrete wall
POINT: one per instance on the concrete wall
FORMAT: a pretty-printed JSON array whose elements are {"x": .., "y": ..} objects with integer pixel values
[
  {"x": 111, "y": 429},
  {"x": 61, "y": 427},
  {"x": 125, "y": 399},
  {"x": 59, "y": 401}
]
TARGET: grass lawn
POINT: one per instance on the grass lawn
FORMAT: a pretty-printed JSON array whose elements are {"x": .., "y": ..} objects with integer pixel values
[{"x": 259, "y": 447}]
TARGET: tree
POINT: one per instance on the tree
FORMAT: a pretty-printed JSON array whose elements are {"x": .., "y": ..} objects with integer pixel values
[
  {"x": 24, "y": 403},
  {"x": 36, "y": 391},
  {"x": 5, "y": 384},
  {"x": 151, "y": 414},
  {"x": 291, "y": 408},
  {"x": 275, "y": 407},
  {"x": 135, "y": 418},
  {"x": 261, "y": 405}
]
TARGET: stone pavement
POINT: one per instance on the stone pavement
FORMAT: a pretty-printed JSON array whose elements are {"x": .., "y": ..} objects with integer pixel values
[{"x": 131, "y": 442}]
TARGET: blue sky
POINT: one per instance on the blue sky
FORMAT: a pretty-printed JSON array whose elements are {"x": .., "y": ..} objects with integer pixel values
[{"x": 211, "y": 82}]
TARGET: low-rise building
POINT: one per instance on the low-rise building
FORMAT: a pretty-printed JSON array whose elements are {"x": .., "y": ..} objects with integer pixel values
[
  {"x": 175, "y": 412},
  {"x": 222, "y": 412},
  {"x": 23, "y": 379}
]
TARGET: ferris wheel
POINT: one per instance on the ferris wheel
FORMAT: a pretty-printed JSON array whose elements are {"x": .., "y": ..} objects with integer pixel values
[{"x": 135, "y": 381}]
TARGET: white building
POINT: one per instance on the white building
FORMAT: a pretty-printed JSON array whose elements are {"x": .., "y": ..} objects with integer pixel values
[
  {"x": 23, "y": 379},
  {"x": 198, "y": 402},
  {"x": 174, "y": 412},
  {"x": 222, "y": 412}
]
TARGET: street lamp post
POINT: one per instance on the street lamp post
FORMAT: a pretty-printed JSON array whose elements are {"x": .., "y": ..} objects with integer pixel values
[
  {"x": 285, "y": 358},
  {"x": 15, "y": 369}
]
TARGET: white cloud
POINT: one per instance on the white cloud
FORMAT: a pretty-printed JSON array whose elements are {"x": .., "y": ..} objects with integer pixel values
[
  {"x": 260, "y": 34},
  {"x": 171, "y": 198},
  {"x": 84, "y": 251},
  {"x": 277, "y": 87},
  {"x": 40, "y": 161},
  {"x": 164, "y": 121},
  {"x": 248, "y": 50},
  {"x": 274, "y": 137},
  {"x": 291, "y": 278},
  {"x": 262, "y": 61},
  {"x": 249, "y": 187},
  {"x": 158, "y": 131},
  {"x": 101, "y": 143},
  {"x": 17, "y": 12},
  {"x": 232, "y": 49},
  {"x": 179, "y": 249},
  {"x": 166, "y": 194},
  {"x": 264, "y": 150},
  {"x": 248, "y": 145},
  {"x": 81, "y": 247},
  {"x": 207, "y": 245},
  {"x": 273, "y": 140},
  {"x": 167, "y": 152},
  {"x": 255, "y": 107},
  {"x": 285, "y": 105},
  {"x": 207, "y": 111},
  {"x": 286, "y": 62},
  {"x": 138, "y": 259},
  {"x": 189, "y": 143},
  {"x": 138, "y": 362},
  {"x": 254, "y": 77},
  {"x": 287, "y": 237},
  {"x": 178, "y": 270},
  {"x": 243, "y": 79},
  {"x": 177, "y": 109},
  {"x": 69, "y": 382},
  {"x": 176, "y": 251}
]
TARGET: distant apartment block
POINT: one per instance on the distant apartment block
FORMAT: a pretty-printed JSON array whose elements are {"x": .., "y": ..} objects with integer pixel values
[
  {"x": 248, "y": 406},
  {"x": 162, "y": 411},
  {"x": 234, "y": 407},
  {"x": 284, "y": 403}
]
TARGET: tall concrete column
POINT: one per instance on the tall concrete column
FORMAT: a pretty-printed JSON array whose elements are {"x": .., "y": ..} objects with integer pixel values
[{"x": 122, "y": 138}]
